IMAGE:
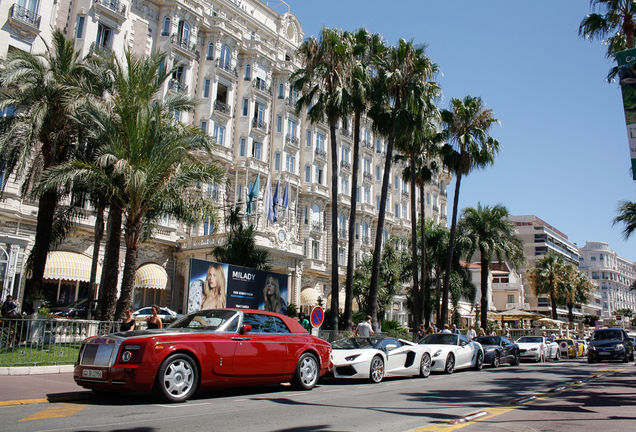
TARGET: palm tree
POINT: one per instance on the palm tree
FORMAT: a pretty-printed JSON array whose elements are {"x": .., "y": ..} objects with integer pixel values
[
  {"x": 403, "y": 88},
  {"x": 469, "y": 145},
  {"x": 627, "y": 216},
  {"x": 45, "y": 91},
  {"x": 240, "y": 248},
  {"x": 545, "y": 277},
  {"x": 323, "y": 83},
  {"x": 575, "y": 288},
  {"x": 613, "y": 24},
  {"x": 487, "y": 230}
]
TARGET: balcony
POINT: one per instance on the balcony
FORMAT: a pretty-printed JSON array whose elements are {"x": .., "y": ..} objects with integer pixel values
[
  {"x": 222, "y": 108},
  {"x": 316, "y": 226},
  {"x": 24, "y": 20},
  {"x": 292, "y": 141},
  {"x": 345, "y": 165},
  {"x": 291, "y": 102},
  {"x": 183, "y": 44},
  {"x": 261, "y": 85},
  {"x": 405, "y": 194},
  {"x": 343, "y": 234},
  {"x": 367, "y": 176},
  {"x": 367, "y": 145},
  {"x": 113, "y": 8},
  {"x": 226, "y": 66},
  {"x": 346, "y": 133},
  {"x": 321, "y": 154},
  {"x": 259, "y": 125},
  {"x": 177, "y": 87},
  {"x": 365, "y": 240}
]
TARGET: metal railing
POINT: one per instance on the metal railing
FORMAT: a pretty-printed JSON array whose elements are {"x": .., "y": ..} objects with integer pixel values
[
  {"x": 114, "y": 5},
  {"x": 27, "y": 342},
  {"x": 25, "y": 15}
]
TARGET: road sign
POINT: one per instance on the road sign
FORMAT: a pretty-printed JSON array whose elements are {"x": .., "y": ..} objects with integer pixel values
[
  {"x": 317, "y": 316},
  {"x": 619, "y": 317}
]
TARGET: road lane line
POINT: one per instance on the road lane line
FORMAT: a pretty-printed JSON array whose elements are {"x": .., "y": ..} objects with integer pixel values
[{"x": 56, "y": 412}]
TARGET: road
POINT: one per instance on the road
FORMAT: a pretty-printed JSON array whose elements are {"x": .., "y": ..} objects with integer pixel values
[{"x": 400, "y": 404}]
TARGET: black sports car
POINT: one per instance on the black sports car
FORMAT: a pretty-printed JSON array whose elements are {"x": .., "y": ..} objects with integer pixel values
[{"x": 499, "y": 349}]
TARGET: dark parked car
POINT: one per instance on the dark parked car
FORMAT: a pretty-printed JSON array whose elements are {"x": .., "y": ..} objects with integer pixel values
[
  {"x": 74, "y": 309},
  {"x": 499, "y": 349},
  {"x": 610, "y": 344}
]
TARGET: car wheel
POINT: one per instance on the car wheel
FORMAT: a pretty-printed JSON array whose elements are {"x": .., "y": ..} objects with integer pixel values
[
  {"x": 376, "y": 372},
  {"x": 479, "y": 361},
  {"x": 177, "y": 378},
  {"x": 307, "y": 372},
  {"x": 495, "y": 360},
  {"x": 450, "y": 364},
  {"x": 517, "y": 359},
  {"x": 425, "y": 365}
]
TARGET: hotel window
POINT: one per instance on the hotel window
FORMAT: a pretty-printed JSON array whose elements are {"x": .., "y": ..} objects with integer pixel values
[
  {"x": 104, "y": 36},
  {"x": 345, "y": 185},
  {"x": 378, "y": 173},
  {"x": 344, "y": 154},
  {"x": 397, "y": 211},
  {"x": 219, "y": 134},
  {"x": 206, "y": 88},
  {"x": 318, "y": 175},
  {"x": 341, "y": 256},
  {"x": 256, "y": 150},
  {"x": 79, "y": 30},
  {"x": 305, "y": 247},
  {"x": 320, "y": 141},
  {"x": 511, "y": 298},
  {"x": 248, "y": 72},
  {"x": 210, "y": 52},
  {"x": 308, "y": 140},
  {"x": 279, "y": 123},
  {"x": 225, "y": 58},
  {"x": 290, "y": 162},
  {"x": 277, "y": 162},
  {"x": 246, "y": 104},
  {"x": 315, "y": 249},
  {"x": 396, "y": 183},
  {"x": 165, "y": 30},
  {"x": 242, "y": 147},
  {"x": 367, "y": 195},
  {"x": 204, "y": 125},
  {"x": 281, "y": 91},
  {"x": 404, "y": 212},
  {"x": 177, "y": 115},
  {"x": 307, "y": 173},
  {"x": 378, "y": 146},
  {"x": 291, "y": 128},
  {"x": 377, "y": 203}
]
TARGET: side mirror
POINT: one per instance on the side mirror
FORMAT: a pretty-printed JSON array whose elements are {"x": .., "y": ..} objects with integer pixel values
[
  {"x": 391, "y": 347},
  {"x": 245, "y": 328}
]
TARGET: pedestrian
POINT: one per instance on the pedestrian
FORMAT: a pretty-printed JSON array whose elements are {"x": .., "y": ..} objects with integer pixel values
[
  {"x": 430, "y": 329},
  {"x": 552, "y": 337},
  {"x": 446, "y": 329},
  {"x": 482, "y": 332},
  {"x": 154, "y": 321},
  {"x": 470, "y": 334},
  {"x": 304, "y": 321},
  {"x": 365, "y": 329},
  {"x": 9, "y": 308},
  {"x": 455, "y": 330},
  {"x": 492, "y": 332},
  {"x": 421, "y": 333},
  {"x": 129, "y": 322}
]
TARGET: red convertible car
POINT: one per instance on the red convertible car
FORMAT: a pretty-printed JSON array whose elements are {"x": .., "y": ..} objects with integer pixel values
[{"x": 211, "y": 348}]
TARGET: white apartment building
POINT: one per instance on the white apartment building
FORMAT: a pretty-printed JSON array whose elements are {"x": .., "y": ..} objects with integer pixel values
[
  {"x": 613, "y": 274},
  {"x": 236, "y": 57}
]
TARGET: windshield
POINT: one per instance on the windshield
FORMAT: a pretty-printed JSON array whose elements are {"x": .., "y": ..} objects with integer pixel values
[
  {"x": 355, "y": 343},
  {"x": 440, "y": 339},
  {"x": 209, "y": 319},
  {"x": 530, "y": 339},
  {"x": 487, "y": 340},
  {"x": 78, "y": 304},
  {"x": 614, "y": 335}
]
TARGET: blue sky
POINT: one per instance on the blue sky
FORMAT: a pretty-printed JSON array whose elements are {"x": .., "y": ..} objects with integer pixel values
[{"x": 564, "y": 153}]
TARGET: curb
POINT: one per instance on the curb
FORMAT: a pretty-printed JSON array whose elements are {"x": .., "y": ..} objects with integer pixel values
[{"x": 36, "y": 370}]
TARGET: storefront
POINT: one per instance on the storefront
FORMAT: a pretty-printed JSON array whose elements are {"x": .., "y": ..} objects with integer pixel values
[
  {"x": 67, "y": 277},
  {"x": 151, "y": 285}
]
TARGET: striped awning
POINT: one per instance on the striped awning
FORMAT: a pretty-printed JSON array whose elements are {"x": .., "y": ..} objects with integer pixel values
[
  {"x": 71, "y": 266},
  {"x": 342, "y": 297},
  {"x": 309, "y": 296},
  {"x": 151, "y": 276}
]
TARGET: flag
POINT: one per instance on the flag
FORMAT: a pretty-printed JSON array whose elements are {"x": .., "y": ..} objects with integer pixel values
[
  {"x": 275, "y": 203},
  {"x": 268, "y": 212},
  {"x": 254, "y": 192},
  {"x": 286, "y": 196}
]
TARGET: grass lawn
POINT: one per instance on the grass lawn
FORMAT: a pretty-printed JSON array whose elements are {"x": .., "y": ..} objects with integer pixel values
[{"x": 39, "y": 354}]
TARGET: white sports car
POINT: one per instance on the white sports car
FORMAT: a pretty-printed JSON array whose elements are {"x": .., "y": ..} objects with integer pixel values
[
  {"x": 376, "y": 357},
  {"x": 453, "y": 351},
  {"x": 538, "y": 348}
]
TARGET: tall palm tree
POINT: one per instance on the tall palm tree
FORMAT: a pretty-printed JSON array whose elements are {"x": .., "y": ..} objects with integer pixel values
[
  {"x": 323, "y": 82},
  {"x": 575, "y": 288},
  {"x": 613, "y": 24},
  {"x": 45, "y": 91},
  {"x": 240, "y": 248},
  {"x": 469, "y": 145},
  {"x": 626, "y": 216},
  {"x": 487, "y": 230},
  {"x": 402, "y": 89},
  {"x": 545, "y": 277}
]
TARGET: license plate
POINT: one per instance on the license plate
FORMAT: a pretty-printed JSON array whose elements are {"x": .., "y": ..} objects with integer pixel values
[
  {"x": 90, "y": 373},
  {"x": 604, "y": 353}
]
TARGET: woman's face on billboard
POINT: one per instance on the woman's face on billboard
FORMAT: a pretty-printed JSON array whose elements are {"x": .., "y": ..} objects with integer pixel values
[
  {"x": 212, "y": 278},
  {"x": 270, "y": 285}
]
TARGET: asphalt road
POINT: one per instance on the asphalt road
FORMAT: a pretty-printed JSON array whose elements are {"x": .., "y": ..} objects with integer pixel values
[{"x": 401, "y": 404}]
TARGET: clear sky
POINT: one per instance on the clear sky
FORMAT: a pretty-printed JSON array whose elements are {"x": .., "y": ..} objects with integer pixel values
[{"x": 565, "y": 156}]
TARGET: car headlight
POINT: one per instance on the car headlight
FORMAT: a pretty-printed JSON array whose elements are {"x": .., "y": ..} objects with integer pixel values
[
  {"x": 437, "y": 353},
  {"x": 619, "y": 348},
  {"x": 534, "y": 349},
  {"x": 352, "y": 357},
  {"x": 592, "y": 348}
]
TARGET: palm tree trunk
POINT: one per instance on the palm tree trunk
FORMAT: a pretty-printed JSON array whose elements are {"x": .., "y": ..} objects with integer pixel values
[
  {"x": 377, "y": 251},
  {"x": 335, "y": 290},
  {"x": 449, "y": 263},
  {"x": 426, "y": 289},
  {"x": 571, "y": 315},
  {"x": 46, "y": 213},
  {"x": 97, "y": 241},
  {"x": 110, "y": 269},
  {"x": 417, "y": 298},
  {"x": 485, "y": 267},
  {"x": 554, "y": 308},
  {"x": 348, "y": 309},
  {"x": 133, "y": 238}
]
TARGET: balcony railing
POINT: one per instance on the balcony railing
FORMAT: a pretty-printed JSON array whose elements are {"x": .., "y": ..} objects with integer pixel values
[
  {"x": 114, "y": 5},
  {"x": 182, "y": 43},
  {"x": 291, "y": 102},
  {"x": 345, "y": 165},
  {"x": 345, "y": 132},
  {"x": 226, "y": 66},
  {"x": 405, "y": 194},
  {"x": 261, "y": 85},
  {"x": 176, "y": 86},
  {"x": 320, "y": 153},
  {"x": 292, "y": 139},
  {"x": 316, "y": 226},
  {"x": 343, "y": 234},
  {"x": 259, "y": 124},
  {"x": 366, "y": 240},
  {"x": 367, "y": 144},
  {"x": 222, "y": 107},
  {"x": 24, "y": 15},
  {"x": 367, "y": 176}
]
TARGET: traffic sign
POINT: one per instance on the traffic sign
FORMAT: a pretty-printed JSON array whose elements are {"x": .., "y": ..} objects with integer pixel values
[
  {"x": 619, "y": 317},
  {"x": 317, "y": 316}
]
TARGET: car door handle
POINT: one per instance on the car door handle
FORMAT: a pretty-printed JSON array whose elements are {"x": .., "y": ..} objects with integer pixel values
[{"x": 241, "y": 338}]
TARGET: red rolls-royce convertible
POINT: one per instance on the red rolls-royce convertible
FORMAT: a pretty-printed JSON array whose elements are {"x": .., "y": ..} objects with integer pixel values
[{"x": 211, "y": 348}]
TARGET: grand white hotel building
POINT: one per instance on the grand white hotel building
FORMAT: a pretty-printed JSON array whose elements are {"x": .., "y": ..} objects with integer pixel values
[{"x": 236, "y": 57}]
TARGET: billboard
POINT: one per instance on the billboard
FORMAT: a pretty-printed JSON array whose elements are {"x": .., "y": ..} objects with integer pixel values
[
  {"x": 217, "y": 285},
  {"x": 627, "y": 74}
]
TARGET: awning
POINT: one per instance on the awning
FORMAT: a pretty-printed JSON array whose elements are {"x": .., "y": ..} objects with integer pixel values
[
  {"x": 261, "y": 73},
  {"x": 70, "y": 266},
  {"x": 151, "y": 276},
  {"x": 342, "y": 297},
  {"x": 309, "y": 296}
]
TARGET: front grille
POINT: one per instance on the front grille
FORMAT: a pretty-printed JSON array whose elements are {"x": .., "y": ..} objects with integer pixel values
[
  {"x": 97, "y": 355},
  {"x": 346, "y": 371}
]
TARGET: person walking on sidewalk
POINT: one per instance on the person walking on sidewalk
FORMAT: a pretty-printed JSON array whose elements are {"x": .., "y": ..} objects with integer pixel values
[{"x": 365, "y": 329}]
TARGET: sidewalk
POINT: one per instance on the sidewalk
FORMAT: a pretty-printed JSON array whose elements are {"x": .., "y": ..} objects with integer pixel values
[{"x": 39, "y": 384}]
